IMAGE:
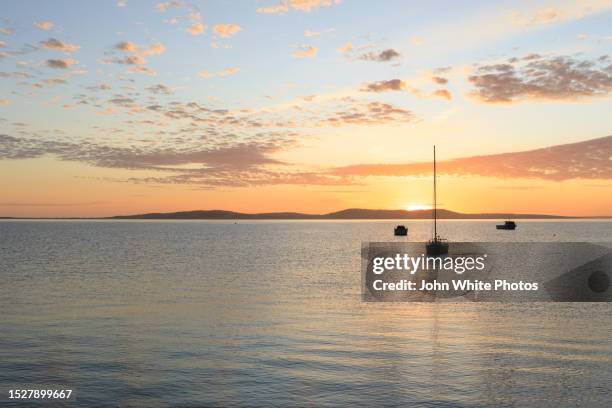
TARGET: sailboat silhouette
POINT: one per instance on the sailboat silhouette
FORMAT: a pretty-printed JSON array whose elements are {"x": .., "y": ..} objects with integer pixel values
[{"x": 437, "y": 245}]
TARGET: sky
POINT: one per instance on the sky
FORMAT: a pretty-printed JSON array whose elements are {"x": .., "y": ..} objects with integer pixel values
[{"x": 122, "y": 106}]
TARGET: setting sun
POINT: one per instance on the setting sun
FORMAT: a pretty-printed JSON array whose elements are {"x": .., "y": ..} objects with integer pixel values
[{"x": 416, "y": 207}]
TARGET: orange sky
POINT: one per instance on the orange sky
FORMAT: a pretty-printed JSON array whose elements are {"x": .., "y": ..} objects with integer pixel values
[{"x": 313, "y": 107}]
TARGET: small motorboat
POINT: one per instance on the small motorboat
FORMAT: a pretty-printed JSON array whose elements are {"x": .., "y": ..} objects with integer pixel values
[
  {"x": 508, "y": 225},
  {"x": 400, "y": 231}
]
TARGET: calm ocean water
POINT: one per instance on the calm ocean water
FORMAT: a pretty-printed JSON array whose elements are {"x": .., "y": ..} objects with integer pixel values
[{"x": 196, "y": 313}]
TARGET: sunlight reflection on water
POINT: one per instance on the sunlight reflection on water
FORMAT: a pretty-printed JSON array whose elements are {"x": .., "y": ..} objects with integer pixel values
[{"x": 269, "y": 313}]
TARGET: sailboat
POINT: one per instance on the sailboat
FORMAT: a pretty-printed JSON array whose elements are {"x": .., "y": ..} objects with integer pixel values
[{"x": 436, "y": 246}]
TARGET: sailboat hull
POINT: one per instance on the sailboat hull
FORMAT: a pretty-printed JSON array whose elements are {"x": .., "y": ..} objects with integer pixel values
[{"x": 435, "y": 248}]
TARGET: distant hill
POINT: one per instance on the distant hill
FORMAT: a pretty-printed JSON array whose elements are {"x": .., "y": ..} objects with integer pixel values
[{"x": 348, "y": 214}]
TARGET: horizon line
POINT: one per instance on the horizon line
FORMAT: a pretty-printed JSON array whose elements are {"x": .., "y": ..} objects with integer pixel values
[{"x": 296, "y": 215}]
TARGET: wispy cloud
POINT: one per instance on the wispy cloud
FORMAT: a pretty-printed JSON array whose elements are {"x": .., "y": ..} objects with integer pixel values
[
  {"x": 309, "y": 33},
  {"x": 365, "y": 113},
  {"x": 298, "y": 5},
  {"x": 380, "y": 56},
  {"x": 160, "y": 89},
  {"x": 383, "y": 86},
  {"x": 439, "y": 80},
  {"x": 564, "y": 11},
  {"x": 443, "y": 93},
  {"x": 305, "y": 51},
  {"x": 229, "y": 71},
  {"x": 368, "y": 52},
  {"x": 142, "y": 70},
  {"x": 60, "y": 63},
  {"x": 44, "y": 25},
  {"x": 583, "y": 160},
  {"x": 348, "y": 47},
  {"x": 240, "y": 164},
  {"x": 226, "y": 30},
  {"x": 135, "y": 55},
  {"x": 163, "y": 6},
  {"x": 536, "y": 77},
  {"x": 400, "y": 85},
  {"x": 196, "y": 29},
  {"x": 57, "y": 45}
]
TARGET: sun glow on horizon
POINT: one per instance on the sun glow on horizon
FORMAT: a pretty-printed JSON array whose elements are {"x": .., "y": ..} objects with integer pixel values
[{"x": 416, "y": 207}]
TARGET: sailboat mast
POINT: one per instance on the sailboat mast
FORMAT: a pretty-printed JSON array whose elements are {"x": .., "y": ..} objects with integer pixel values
[{"x": 435, "y": 199}]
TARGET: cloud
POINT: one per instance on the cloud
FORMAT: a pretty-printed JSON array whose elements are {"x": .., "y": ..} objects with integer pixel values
[
  {"x": 240, "y": 155},
  {"x": 279, "y": 8},
  {"x": 136, "y": 54},
  {"x": 582, "y": 160},
  {"x": 226, "y": 30},
  {"x": 213, "y": 178},
  {"x": 122, "y": 3},
  {"x": 239, "y": 163},
  {"x": 382, "y": 56},
  {"x": 534, "y": 77},
  {"x": 15, "y": 74},
  {"x": 54, "y": 81},
  {"x": 384, "y": 86},
  {"x": 153, "y": 49},
  {"x": 565, "y": 11},
  {"x": 298, "y": 5},
  {"x": 399, "y": 85},
  {"x": 309, "y": 33},
  {"x": 101, "y": 87},
  {"x": 348, "y": 47},
  {"x": 44, "y": 25},
  {"x": 443, "y": 93},
  {"x": 305, "y": 51},
  {"x": 160, "y": 89},
  {"x": 57, "y": 45},
  {"x": 163, "y": 6},
  {"x": 6, "y": 31},
  {"x": 364, "y": 113},
  {"x": 4, "y": 102},
  {"x": 249, "y": 162},
  {"x": 539, "y": 17},
  {"x": 2, "y": 44},
  {"x": 205, "y": 74},
  {"x": 60, "y": 63},
  {"x": 142, "y": 70},
  {"x": 126, "y": 46},
  {"x": 196, "y": 29},
  {"x": 229, "y": 71},
  {"x": 439, "y": 80},
  {"x": 130, "y": 60}
]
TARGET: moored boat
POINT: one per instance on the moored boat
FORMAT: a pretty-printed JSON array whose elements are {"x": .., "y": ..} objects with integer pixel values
[
  {"x": 436, "y": 246},
  {"x": 508, "y": 225},
  {"x": 400, "y": 231}
]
